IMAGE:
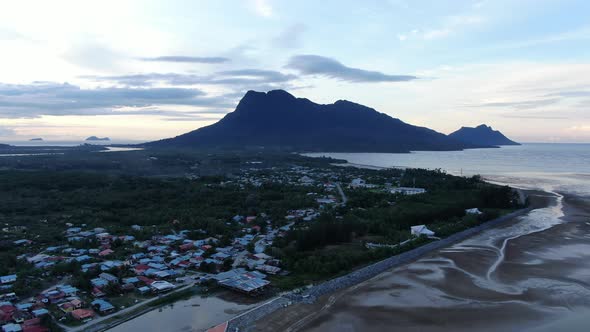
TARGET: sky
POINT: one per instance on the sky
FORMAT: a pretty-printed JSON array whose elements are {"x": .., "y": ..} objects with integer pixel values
[{"x": 138, "y": 70}]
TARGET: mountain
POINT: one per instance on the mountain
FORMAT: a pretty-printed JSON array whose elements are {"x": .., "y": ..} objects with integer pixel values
[
  {"x": 277, "y": 119},
  {"x": 481, "y": 135},
  {"x": 94, "y": 138},
  {"x": 4, "y": 146},
  {"x": 36, "y": 139}
]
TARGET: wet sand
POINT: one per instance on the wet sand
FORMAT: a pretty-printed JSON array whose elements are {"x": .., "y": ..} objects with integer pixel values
[{"x": 531, "y": 274}]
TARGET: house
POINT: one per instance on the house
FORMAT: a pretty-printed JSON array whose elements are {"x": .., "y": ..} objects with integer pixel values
[
  {"x": 8, "y": 279},
  {"x": 143, "y": 290},
  {"x": 109, "y": 277},
  {"x": 83, "y": 314},
  {"x": 40, "y": 312},
  {"x": 22, "y": 242},
  {"x": 97, "y": 292},
  {"x": 105, "y": 252},
  {"x": 131, "y": 280},
  {"x": 140, "y": 269},
  {"x": 186, "y": 246},
  {"x": 161, "y": 286},
  {"x": 83, "y": 258},
  {"x": 55, "y": 296},
  {"x": 99, "y": 282},
  {"x": 408, "y": 191},
  {"x": 102, "y": 306},
  {"x": 35, "y": 328},
  {"x": 420, "y": 230},
  {"x": 474, "y": 211},
  {"x": 11, "y": 328},
  {"x": 306, "y": 180},
  {"x": 251, "y": 283},
  {"x": 33, "y": 325},
  {"x": 145, "y": 280},
  {"x": 66, "y": 307}
]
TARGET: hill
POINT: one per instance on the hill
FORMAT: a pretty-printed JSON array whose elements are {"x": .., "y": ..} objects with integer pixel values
[
  {"x": 278, "y": 120},
  {"x": 94, "y": 138},
  {"x": 481, "y": 135}
]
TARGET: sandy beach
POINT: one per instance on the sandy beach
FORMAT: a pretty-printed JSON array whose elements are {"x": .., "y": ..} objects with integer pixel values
[{"x": 532, "y": 273}]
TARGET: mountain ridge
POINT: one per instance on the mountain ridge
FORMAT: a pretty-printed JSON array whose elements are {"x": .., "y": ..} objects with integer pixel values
[
  {"x": 277, "y": 119},
  {"x": 482, "y": 135}
]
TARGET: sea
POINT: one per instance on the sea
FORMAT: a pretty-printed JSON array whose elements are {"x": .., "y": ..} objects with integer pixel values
[{"x": 546, "y": 166}]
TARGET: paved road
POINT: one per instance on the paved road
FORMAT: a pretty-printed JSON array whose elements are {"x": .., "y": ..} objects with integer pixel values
[{"x": 344, "y": 198}]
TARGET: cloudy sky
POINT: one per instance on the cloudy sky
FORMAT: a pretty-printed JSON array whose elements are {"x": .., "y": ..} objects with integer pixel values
[{"x": 143, "y": 70}]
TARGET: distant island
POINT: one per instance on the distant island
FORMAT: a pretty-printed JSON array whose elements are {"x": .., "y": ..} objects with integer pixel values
[
  {"x": 278, "y": 120},
  {"x": 94, "y": 138},
  {"x": 481, "y": 135},
  {"x": 4, "y": 146},
  {"x": 36, "y": 139}
]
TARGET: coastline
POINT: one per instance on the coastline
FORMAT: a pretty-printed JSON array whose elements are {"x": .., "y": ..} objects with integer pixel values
[
  {"x": 305, "y": 307},
  {"x": 447, "y": 289}
]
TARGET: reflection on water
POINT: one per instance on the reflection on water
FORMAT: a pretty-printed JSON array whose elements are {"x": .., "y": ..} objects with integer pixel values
[
  {"x": 119, "y": 149},
  {"x": 195, "y": 314}
]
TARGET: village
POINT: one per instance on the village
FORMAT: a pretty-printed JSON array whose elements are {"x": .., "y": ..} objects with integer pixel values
[{"x": 97, "y": 272}]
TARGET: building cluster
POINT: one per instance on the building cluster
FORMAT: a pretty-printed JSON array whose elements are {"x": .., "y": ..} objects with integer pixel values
[
  {"x": 165, "y": 262},
  {"x": 14, "y": 316}
]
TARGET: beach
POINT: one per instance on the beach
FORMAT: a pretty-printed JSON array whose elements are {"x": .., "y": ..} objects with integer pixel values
[{"x": 527, "y": 273}]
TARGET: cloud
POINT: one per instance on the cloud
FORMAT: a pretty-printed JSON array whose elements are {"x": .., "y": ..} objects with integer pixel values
[
  {"x": 579, "y": 34},
  {"x": 266, "y": 76},
  {"x": 238, "y": 77},
  {"x": 534, "y": 116},
  {"x": 449, "y": 26},
  {"x": 262, "y": 8},
  {"x": 9, "y": 34},
  {"x": 187, "y": 59},
  {"x": 583, "y": 128},
  {"x": 324, "y": 66},
  {"x": 290, "y": 37},
  {"x": 571, "y": 93},
  {"x": 521, "y": 104},
  {"x": 5, "y": 131},
  {"x": 436, "y": 33},
  {"x": 94, "y": 56},
  {"x": 47, "y": 98}
]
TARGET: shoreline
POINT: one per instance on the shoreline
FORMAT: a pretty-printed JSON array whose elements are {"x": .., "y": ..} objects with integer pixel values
[{"x": 311, "y": 297}]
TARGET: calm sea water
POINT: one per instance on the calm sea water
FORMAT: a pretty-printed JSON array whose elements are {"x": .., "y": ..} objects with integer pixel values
[{"x": 554, "y": 167}]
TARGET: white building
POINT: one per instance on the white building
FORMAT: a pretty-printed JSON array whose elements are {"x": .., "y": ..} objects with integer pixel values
[
  {"x": 161, "y": 286},
  {"x": 306, "y": 180},
  {"x": 473, "y": 211},
  {"x": 358, "y": 182},
  {"x": 408, "y": 191},
  {"x": 421, "y": 230}
]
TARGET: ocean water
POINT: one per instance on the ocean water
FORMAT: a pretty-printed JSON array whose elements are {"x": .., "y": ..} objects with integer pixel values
[{"x": 551, "y": 167}]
